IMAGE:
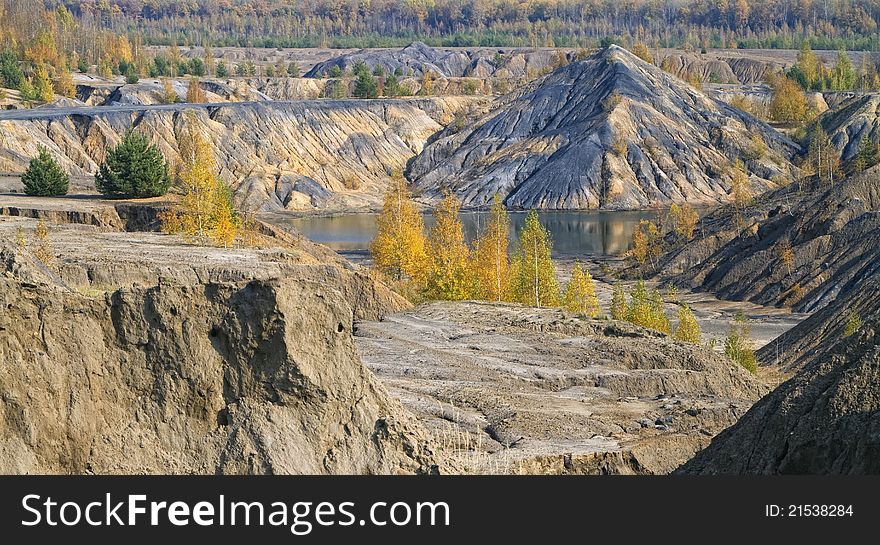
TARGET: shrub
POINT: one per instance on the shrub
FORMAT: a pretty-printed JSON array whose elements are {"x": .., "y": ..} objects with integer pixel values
[
  {"x": 611, "y": 101},
  {"x": 688, "y": 329},
  {"x": 618, "y": 302},
  {"x": 133, "y": 169},
  {"x": 853, "y": 323},
  {"x": 738, "y": 345},
  {"x": 640, "y": 50},
  {"x": 580, "y": 293},
  {"x": 41, "y": 247},
  {"x": 44, "y": 177}
]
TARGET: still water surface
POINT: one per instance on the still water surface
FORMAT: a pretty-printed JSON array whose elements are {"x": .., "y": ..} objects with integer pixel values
[{"x": 574, "y": 233}]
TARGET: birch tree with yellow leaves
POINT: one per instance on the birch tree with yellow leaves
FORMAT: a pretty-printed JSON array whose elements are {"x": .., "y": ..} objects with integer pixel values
[
  {"x": 448, "y": 275},
  {"x": 580, "y": 293},
  {"x": 206, "y": 210},
  {"x": 533, "y": 277},
  {"x": 490, "y": 262},
  {"x": 400, "y": 249}
]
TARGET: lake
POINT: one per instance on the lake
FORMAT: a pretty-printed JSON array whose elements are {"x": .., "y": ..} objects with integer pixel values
[{"x": 574, "y": 233}]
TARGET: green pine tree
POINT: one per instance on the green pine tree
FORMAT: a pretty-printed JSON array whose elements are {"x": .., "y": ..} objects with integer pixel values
[
  {"x": 366, "y": 86},
  {"x": 392, "y": 86},
  {"x": 11, "y": 74},
  {"x": 44, "y": 177},
  {"x": 133, "y": 169},
  {"x": 866, "y": 156}
]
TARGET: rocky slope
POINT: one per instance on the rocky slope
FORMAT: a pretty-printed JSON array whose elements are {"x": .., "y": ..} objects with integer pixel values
[
  {"x": 852, "y": 118},
  {"x": 802, "y": 246},
  {"x": 208, "y": 361},
  {"x": 307, "y": 155},
  {"x": 608, "y": 132},
  {"x": 825, "y": 420},
  {"x": 716, "y": 68},
  {"x": 524, "y": 390},
  {"x": 417, "y": 58}
]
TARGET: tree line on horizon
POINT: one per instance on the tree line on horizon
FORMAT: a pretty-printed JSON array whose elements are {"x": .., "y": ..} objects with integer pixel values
[{"x": 532, "y": 23}]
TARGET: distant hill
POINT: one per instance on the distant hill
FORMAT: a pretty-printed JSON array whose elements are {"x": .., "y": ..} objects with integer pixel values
[
  {"x": 611, "y": 132},
  {"x": 417, "y": 58}
]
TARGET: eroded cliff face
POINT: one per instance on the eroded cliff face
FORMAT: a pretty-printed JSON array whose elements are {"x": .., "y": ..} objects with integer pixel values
[
  {"x": 308, "y": 155},
  {"x": 826, "y": 419},
  {"x": 200, "y": 370},
  {"x": 852, "y": 117}
]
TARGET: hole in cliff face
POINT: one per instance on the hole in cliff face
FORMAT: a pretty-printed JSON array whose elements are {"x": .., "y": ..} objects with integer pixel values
[
  {"x": 215, "y": 331},
  {"x": 223, "y": 417},
  {"x": 340, "y": 328}
]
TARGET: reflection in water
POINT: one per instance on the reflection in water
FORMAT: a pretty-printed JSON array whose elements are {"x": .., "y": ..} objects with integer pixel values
[{"x": 574, "y": 233}]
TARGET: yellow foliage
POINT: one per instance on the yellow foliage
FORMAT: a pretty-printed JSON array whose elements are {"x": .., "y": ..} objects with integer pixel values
[
  {"x": 640, "y": 50},
  {"x": 580, "y": 293},
  {"x": 194, "y": 93},
  {"x": 490, "y": 263},
  {"x": 786, "y": 255},
  {"x": 448, "y": 276},
  {"x": 40, "y": 245},
  {"x": 63, "y": 84},
  {"x": 738, "y": 345},
  {"x": 852, "y": 324},
  {"x": 533, "y": 276},
  {"x": 688, "y": 329},
  {"x": 789, "y": 103},
  {"x": 427, "y": 83},
  {"x": 225, "y": 222},
  {"x": 618, "y": 302},
  {"x": 400, "y": 248},
  {"x": 684, "y": 220},
  {"x": 206, "y": 210},
  {"x": 646, "y": 309},
  {"x": 169, "y": 95},
  {"x": 646, "y": 242},
  {"x": 43, "y": 85},
  {"x": 197, "y": 178},
  {"x": 43, "y": 49}
]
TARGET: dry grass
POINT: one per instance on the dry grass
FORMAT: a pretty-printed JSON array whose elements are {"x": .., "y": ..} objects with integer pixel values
[{"x": 471, "y": 452}]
